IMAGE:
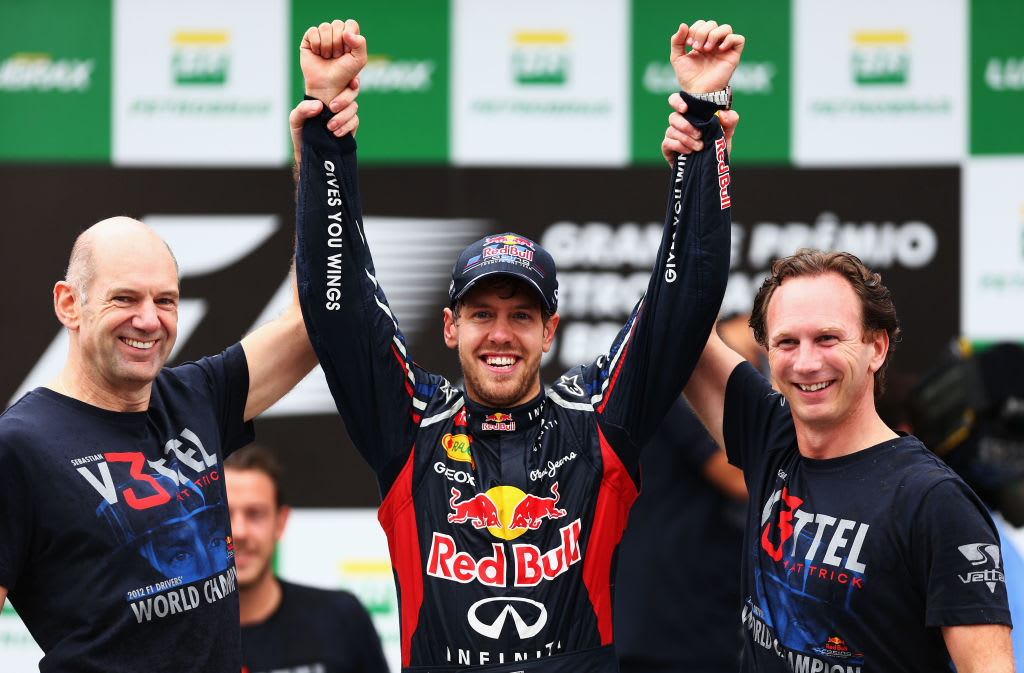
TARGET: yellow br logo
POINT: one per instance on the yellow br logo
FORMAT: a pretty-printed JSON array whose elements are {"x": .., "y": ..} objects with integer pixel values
[{"x": 457, "y": 448}]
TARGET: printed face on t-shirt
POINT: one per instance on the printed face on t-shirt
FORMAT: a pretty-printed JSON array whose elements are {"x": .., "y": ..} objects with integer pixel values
[{"x": 191, "y": 549}]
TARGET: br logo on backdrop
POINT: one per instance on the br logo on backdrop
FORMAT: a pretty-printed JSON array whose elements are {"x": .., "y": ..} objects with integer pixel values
[
  {"x": 541, "y": 57},
  {"x": 207, "y": 244}
]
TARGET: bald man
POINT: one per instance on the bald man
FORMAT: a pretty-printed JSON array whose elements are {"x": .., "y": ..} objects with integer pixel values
[{"x": 115, "y": 545}]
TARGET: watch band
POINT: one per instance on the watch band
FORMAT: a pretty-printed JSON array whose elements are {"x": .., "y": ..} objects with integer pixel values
[{"x": 721, "y": 98}]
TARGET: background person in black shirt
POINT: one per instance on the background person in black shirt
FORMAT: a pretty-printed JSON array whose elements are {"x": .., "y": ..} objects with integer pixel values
[{"x": 287, "y": 627}]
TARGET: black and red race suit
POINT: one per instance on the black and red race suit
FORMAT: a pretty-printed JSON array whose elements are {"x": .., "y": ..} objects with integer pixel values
[{"x": 503, "y": 523}]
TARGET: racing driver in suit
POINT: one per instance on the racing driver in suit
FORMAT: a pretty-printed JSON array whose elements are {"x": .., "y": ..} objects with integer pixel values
[{"x": 503, "y": 503}]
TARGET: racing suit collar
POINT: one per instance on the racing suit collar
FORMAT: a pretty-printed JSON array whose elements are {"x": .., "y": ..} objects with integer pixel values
[{"x": 488, "y": 420}]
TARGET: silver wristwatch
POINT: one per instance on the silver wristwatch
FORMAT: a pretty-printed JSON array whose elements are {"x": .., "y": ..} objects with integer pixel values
[{"x": 721, "y": 98}]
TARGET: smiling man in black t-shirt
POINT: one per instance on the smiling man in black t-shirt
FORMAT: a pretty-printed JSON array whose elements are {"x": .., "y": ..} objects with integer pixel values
[{"x": 863, "y": 550}]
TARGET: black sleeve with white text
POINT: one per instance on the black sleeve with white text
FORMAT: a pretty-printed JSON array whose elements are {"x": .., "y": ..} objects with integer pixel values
[
  {"x": 377, "y": 388},
  {"x": 654, "y": 354}
]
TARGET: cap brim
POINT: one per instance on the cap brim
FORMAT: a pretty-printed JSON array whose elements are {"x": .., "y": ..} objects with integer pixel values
[{"x": 502, "y": 272}]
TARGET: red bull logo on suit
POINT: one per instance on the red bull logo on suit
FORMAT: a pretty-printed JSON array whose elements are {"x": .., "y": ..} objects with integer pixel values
[
  {"x": 507, "y": 513},
  {"x": 498, "y": 421},
  {"x": 526, "y": 566}
]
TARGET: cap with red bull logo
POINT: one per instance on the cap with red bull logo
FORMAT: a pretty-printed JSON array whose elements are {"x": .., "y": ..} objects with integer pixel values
[{"x": 506, "y": 254}]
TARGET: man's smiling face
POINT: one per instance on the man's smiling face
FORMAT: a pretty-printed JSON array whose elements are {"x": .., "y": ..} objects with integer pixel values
[
  {"x": 129, "y": 315},
  {"x": 820, "y": 357},
  {"x": 500, "y": 331}
]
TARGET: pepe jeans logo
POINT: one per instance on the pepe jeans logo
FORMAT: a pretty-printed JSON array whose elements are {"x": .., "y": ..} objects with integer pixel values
[{"x": 534, "y": 611}]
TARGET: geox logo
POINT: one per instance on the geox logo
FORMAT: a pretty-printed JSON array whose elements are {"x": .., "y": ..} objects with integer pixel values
[
  {"x": 22, "y": 72},
  {"x": 980, "y": 554}
]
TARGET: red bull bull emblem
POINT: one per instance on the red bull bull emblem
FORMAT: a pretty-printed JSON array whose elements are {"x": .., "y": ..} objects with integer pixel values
[
  {"x": 505, "y": 511},
  {"x": 498, "y": 421},
  {"x": 533, "y": 509},
  {"x": 510, "y": 239},
  {"x": 457, "y": 448},
  {"x": 480, "y": 510}
]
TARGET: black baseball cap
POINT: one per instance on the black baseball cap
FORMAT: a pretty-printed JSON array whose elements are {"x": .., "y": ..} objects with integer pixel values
[{"x": 508, "y": 254}]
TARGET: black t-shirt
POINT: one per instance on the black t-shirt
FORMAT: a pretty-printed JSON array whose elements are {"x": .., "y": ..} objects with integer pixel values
[
  {"x": 854, "y": 562},
  {"x": 677, "y": 587},
  {"x": 313, "y": 631},
  {"x": 115, "y": 538}
]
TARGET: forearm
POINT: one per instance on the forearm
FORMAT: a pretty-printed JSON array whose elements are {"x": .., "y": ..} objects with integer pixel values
[
  {"x": 351, "y": 327},
  {"x": 686, "y": 287},
  {"x": 980, "y": 648},
  {"x": 279, "y": 355}
]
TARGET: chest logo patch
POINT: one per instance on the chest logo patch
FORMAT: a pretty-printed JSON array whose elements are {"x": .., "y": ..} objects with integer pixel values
[
  {"x": 457, "y": 448},
  {"x": 499, "y": 421},
  {"x": 505, "y": 511}
]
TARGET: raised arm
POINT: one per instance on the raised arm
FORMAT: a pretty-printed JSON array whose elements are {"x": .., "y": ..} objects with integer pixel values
[
  {"x": 377, "y": 388},
  {"x": 279, "y": 353},
  {"x": 705, "y": 391},
  {"x": 704, "y": 55},
  {"x": 655, "y": 353}
]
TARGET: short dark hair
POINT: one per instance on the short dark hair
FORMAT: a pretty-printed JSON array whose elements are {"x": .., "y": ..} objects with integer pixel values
[
  {"x": 504, "y": 280},
  {"x": 877, "y": 308},
  {"x": 260, "y": 458}
]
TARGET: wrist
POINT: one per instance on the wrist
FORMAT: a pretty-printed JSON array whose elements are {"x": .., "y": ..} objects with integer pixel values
[
  {"x": 325, "y": 96},
  {"x": 721, "y": 99}
]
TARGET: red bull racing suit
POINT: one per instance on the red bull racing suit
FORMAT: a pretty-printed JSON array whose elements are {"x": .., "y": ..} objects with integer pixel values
[{"x": 503, "y": 523}]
